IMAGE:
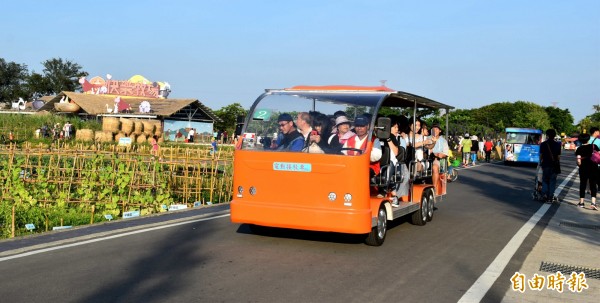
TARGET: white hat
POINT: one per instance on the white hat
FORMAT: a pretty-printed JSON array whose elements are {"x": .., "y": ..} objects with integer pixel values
[{"x": 341, "y": 120}]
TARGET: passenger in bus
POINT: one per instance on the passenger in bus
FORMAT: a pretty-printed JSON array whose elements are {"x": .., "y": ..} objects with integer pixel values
[
  {"x": 337, "y": 140},
  {"x": 417, "y": 145},
  {"x": 321, "y": 131},
  {"x": 339, "y": 113},
  {"x": 427, "y": 143},
  {"x": 289, "y": 139},
  {"x": 397, "y": 146},
  {"x": 334, "y": 117},
  {"x": 359, "y": 142},
  {"x": 439, "y": 152},
  {"x": 303, "y": 123}
]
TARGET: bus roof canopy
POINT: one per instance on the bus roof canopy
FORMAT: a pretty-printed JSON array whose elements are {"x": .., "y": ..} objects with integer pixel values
[{"x": 361, "y": 96}]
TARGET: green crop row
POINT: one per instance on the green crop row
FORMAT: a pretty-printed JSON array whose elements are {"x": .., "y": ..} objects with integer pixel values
[{"x": 54, "y": 189}]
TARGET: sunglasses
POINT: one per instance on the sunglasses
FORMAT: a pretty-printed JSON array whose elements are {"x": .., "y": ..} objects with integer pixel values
[{"x": 283, "y": 124}]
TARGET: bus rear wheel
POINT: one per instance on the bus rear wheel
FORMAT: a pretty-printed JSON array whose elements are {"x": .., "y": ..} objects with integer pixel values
[
  {"x": 378, "y": 232},
  {"x": 420, "y": 216},
  {"x": 430, "y": 204}
]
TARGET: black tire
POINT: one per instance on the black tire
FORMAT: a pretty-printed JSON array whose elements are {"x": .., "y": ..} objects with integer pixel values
[
  {"x": 420, "y": 216},
  {"x": 430, "y": 204},
  {"x": 377, "y": 234}
]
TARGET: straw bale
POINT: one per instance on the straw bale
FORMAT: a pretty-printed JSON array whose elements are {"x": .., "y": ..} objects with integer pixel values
[
  {"x": 141, "y": 138},
  {"x": 127, "y": 126},
  {"x": 86, "y": 135},
  {"x": 138, "y": 127},
  {"x": 119, "y": 136},
  {"x": 158, "y": 129},
  {"x": 148, "y": 127},
  {"x": 103, "y": 136},
  {"x": 110, "y": 124}
]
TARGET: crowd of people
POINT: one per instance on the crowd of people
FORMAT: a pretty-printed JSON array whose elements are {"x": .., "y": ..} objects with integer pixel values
[
  {"x": 315, "y": 132},
  {"x": 473, "y": 149},
  {"x": 589, "y": 171},
  {"x": 56, "y": 132}
]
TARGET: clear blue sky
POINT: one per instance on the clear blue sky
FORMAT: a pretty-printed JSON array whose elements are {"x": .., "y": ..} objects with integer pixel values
[{"x": 464, "y": 53}]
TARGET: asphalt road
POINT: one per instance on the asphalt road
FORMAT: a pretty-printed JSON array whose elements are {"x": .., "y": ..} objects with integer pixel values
[{"x": 203, "y": 257}]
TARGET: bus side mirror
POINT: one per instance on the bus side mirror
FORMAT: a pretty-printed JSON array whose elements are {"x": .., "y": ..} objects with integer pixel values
[{"x": 382, "y": 130}]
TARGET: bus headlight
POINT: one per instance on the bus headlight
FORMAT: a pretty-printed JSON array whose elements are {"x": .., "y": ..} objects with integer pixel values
[
  {"x": 252, "y": 190},
  {"x": 347, "y": 197},
  {"x": 240, "y": 190},
  {"x": 332, "y": 196}
]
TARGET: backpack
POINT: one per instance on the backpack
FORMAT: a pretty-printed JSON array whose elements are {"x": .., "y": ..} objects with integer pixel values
[{"x": 401, "y": 157}]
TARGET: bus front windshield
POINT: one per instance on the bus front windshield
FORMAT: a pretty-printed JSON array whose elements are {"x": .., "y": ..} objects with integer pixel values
[
  {"x": 263, "y": 128},
  {"x": 523, "y": 138}
]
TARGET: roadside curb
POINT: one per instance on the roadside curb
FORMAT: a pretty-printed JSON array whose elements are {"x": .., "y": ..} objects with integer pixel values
[
  {"x": 569, "y": 241},
  {"x": 116, "y": 230}
]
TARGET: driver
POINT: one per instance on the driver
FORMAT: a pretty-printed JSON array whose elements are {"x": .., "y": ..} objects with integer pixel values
[
  {"x": 359, "y": 142},
  {"x": 289, "y": 138}
]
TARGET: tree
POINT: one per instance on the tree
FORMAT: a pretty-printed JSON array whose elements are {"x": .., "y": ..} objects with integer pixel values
[
  {"x": 37, "y": 85},
  {"x": 584, "y": 125},
  {"x": 560, "y": 119},
  {"x": 12, "y": 78},
  {"x": 460, "y": 121},
  {"x": 62, "y": 75},
  {"x": 228, "y": 115}
]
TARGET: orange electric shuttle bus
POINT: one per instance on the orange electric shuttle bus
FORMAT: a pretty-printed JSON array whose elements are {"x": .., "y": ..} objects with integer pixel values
[{"x": 333, "y": 190}]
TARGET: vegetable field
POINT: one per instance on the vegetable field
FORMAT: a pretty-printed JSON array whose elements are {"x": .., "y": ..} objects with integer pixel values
[{"x": 70, "y": 184}]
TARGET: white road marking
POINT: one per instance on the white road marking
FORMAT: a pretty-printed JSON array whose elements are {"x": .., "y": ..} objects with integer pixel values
[
  {"x": 491, "y": 274},
  {"x": 39, "y": 251}
]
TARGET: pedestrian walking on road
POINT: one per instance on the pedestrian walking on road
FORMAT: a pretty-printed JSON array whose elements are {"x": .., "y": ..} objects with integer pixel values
[
  {"x": 487, "y": 147},
  {"x": 465, "y": 146},
  {"x": 474, "y": 148},
  {"x": 588, "y": 170},
  {"x": 550, "y": 157}
]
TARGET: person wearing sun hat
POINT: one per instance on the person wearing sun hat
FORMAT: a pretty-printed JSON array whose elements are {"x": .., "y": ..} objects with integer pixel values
[{"x": 342, "y": 134}]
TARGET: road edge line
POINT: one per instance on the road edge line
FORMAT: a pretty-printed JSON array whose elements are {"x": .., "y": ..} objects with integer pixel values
[{"x": 487, "y": 279}]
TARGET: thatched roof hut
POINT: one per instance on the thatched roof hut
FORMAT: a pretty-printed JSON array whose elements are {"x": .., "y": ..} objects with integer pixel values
[{"x": 103, "y": 105}]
